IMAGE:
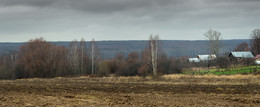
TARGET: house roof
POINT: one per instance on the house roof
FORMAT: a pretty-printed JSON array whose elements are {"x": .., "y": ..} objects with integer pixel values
[
  {"x": 207, "y": 57},
  {"x": 244, "y": 54},
  {"x": 257, "y": 56},
  {"x": 194, "y": 60}
]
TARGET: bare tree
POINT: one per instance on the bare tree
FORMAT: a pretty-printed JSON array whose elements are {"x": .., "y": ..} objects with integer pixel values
[
  {"x": 132, "y": 58},
  {"x": 13, "y": 57},
  {"x": 73, "y": 57},
  {"x": 77, "y": 56},
  {"x": 255, "y": 42},
  {"x": 94, "y": 56},
  {"x": 9, "y": 63},
  {"x": 57, "y": 60},
  {"x": 151, "y": 54},
  {"x": 213, "y": 37},
  {"x": 39, "y": 58},
  {"x": 242, "y": 47},
  {"x": 82, "y": 55}
]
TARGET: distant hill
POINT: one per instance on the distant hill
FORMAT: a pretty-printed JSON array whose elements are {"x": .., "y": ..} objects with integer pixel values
[{"x": 173, "y": 48}]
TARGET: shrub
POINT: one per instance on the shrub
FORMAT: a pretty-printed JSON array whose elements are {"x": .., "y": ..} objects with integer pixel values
[
  {"x": 223, "y": 62},
  {"x": 143, "y": 70},
  {"x": 5, "y": 74},
  {"x": 103, "y": 68}
]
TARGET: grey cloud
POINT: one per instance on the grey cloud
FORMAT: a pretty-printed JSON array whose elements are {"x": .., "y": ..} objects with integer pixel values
[
  {"x": 93, "y": 5},
  {"x": 37, "y": 3},
  {"x": 128, "y": 17},
  {"x": 150, "y": 6}
]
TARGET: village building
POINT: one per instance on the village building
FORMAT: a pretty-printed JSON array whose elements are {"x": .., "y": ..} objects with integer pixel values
[
  {"x": 257, "y": 59},
  {"x": 202, "y": 58},
  {"x": 194, "y": 60},
  {"x": 207, "y": 57},
  {"x": 240, "y": 55}
]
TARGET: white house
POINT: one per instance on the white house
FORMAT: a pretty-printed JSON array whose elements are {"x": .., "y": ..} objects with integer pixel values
[
  {"x": 207, "y": 57},
  {"x": 257, "y": 59},
  {"x": 194, "y": 60}
]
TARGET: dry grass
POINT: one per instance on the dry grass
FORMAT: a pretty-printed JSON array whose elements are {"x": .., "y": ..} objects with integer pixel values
[
  {"x": 166, "y": 79},
  {"x": 177, "y": 79},
  {"x": 198, "y": 69},
  {"x": 215, "y": 80}
]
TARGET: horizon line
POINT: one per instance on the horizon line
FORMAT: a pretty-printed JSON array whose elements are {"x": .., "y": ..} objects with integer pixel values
[{"x": 119, "y": 40}]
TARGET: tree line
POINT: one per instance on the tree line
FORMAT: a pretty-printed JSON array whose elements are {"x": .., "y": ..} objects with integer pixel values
[{"x": 39, "y": 58}]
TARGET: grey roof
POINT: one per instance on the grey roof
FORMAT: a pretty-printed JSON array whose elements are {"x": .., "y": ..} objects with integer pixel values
[
  {"x": 207, "y": 57},
  {"x": 244, "y": 54},
  {"x": 194, "y": 60}
]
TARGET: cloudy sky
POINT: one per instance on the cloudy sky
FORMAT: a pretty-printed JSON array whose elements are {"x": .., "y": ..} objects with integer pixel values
[{"x": 66, "y": 20}]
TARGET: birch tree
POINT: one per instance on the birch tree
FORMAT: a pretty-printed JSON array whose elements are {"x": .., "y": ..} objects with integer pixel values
[
  {"x": 94, "y": 56},
  {"x": 151, "y": 54},
  {"x": 214, "y": 43}
]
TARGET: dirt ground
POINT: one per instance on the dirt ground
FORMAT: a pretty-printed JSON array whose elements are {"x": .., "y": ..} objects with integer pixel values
[{"x": 84, "y": 92}]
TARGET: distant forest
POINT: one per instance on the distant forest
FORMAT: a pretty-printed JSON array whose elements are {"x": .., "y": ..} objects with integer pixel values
[{"x": 172, "y": 48}]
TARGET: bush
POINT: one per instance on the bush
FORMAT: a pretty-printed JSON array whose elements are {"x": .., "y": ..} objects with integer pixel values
[
  {"x": 223, "y": 62},
  {"x": 133, "y": 69},
  {"x": 39, "y": 58},
  {"x": 103, "y": 69},
  {"x": 177, "y": 66},
  {"x": 143, "y": 70},
  {"x": 5, "y": 74},
  {"x": 248, "y": 62}
]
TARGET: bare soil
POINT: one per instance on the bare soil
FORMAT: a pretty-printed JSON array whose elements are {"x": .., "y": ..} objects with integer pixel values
[{"x": 83, "y": 92}]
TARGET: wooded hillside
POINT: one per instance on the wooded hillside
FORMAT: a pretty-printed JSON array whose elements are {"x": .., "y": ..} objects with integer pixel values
[{"x": 172, "y": 48}]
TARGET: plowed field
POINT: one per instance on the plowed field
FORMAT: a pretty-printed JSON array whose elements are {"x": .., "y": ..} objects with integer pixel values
[{"x": 88, "y": 92}]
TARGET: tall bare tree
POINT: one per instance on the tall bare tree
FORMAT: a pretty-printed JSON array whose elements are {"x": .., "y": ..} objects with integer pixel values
[
  {"x": 151, "y": 54},
  {"x": 214, "y": 43},
  {"x": 9, "y": 62},
  {"x": 13, "y": 57},
  {"x": 82, "y": 56},
  {"x": 73, "y": 57},
  {"x": 255, "y": 42},
  {"x": 94, "y": 56}
]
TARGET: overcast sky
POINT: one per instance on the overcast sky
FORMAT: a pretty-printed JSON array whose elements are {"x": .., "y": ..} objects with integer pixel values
[{"x": 66, "y": 20}]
